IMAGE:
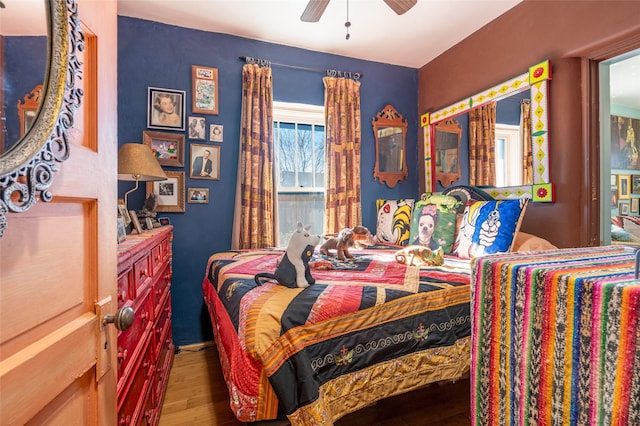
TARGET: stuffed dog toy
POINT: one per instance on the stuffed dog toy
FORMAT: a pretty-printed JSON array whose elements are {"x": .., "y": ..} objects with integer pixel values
[
  {"x": 346, "y": 238},
  {"x": 293, "y": 270}
]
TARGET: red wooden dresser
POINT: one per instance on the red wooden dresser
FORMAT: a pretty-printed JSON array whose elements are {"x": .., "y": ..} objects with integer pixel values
[{"x": 145, "y": 350}]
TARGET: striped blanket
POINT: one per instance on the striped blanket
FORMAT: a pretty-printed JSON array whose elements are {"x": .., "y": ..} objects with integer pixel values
[{"x": 556, "y": 338}]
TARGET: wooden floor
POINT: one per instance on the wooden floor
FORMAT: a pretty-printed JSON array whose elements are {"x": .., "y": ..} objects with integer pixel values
[{"x": 197, "y": 395}]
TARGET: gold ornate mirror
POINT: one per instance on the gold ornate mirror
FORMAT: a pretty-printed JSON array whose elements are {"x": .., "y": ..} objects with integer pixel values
[
  {"x": 27, "y": 167},
  {"x": 447, "y": 144},
  {"x": 390, "y": 132}
]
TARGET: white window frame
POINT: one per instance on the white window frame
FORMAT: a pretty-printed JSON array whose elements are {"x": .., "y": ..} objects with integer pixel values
[{"x": 302, "y": 114}]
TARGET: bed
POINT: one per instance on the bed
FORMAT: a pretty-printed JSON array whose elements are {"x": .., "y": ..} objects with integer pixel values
[{"x": 369, "y": 328}]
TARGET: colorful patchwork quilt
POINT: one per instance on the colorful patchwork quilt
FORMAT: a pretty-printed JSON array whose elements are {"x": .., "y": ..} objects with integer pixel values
[{"x": 369, "y": 328}]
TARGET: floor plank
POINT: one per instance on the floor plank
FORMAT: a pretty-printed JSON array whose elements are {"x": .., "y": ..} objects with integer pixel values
[{"x": 197, "y": 395}]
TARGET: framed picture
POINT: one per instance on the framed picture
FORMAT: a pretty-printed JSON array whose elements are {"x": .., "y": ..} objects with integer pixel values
[
  {"x": 205, "y": 162},
  {"x": 122, "y": 233},
  {"x": 170, "y": 192},
  {"x": 614, "y": 180},
  {"x": 198, "y": 195},
  {"x": 623, "y": 207},
  {"x": 167, "y": 147},
  {"x": 215, "y": 133},
  {"x": 197, "y": 128},
  {"x": 204, "y": 93},
  {"x": 635, "y": 205},
  {"x": 635, "y": 184},
  {"x": 148, "y": 223},
  {"x": 165, "y": 109},
  {"x": 614, "y": 198},
  {"x": 136, "y": 222},
  {"x": 624, "y": 187},
  {"x": 164, "y": 221},
  {"x": 124, "y": 214}
]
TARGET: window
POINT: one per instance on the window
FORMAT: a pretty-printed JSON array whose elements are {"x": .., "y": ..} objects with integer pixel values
[
  {"x": 508, "y": 155},
  {"x": 298, "y": 134}
]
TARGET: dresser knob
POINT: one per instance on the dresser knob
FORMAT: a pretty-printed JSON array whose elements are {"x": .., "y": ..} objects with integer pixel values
[{"x": 122, "y": 319}]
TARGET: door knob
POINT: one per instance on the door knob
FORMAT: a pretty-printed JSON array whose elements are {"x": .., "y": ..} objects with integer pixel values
[{"x": 122, "y": 319}]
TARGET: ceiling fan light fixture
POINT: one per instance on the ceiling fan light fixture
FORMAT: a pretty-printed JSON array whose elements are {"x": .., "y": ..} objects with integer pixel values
[
  {"x": 314, "y": 10},
  {"x": 400, "y": 6}
]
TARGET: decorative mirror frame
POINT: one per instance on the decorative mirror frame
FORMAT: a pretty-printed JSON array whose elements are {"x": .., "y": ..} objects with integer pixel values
[
  {"x": 389, "y": 117},
  {"x": 448, "y": 126},
  {"x": 537, "y": 79},
  {"x": 26, "y": 170}
]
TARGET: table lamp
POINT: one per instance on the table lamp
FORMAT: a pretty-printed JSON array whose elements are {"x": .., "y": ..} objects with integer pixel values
[{"x": 137, "y": 162}]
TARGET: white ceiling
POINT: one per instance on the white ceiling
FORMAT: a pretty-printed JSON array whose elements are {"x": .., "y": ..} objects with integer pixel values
[{"x": 377, "y": 33}]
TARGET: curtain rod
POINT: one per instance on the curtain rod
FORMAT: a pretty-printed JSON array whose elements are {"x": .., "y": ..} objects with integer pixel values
[{"x": 331, "y": 73}]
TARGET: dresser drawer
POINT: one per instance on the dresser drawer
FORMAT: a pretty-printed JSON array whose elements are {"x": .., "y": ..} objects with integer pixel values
[
  {"x": 124, "y": 291},
  {"x": 141, "y": 272},
  {"x": 165, "y": 360},
  {"x": 163, "y": 324},
  {"x": 157, "y": 259},
  {"x": 133, "y": 340},
  {"x": 136, "y": 396},
  {"x": 161, "y": 287}
]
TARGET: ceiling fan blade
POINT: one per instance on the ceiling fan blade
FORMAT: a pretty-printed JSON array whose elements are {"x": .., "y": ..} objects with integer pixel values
[
  {"x": 314, "y": 10},
  {"x": 400, "y": 6}
]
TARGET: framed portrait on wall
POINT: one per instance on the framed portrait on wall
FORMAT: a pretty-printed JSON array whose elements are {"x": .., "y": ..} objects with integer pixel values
[
  {"x": 204, "y": 94},
  {"x": 635, "y": 206},
  {"x": 215, "y": 133},
  {"x": 624, "y": 187},
  {"x": 170, "y": 192},
  {"x": 623, "y": 207},
  {"x": 205, "y": 162},
  {"x": 165, "y": 109},
  {"x": 198, "y": 195},
  {"x": 197, "y": 128}
]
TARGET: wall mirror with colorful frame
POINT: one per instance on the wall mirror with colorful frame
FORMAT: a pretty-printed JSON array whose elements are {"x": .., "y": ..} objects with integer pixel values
[
  {"x": 535, "y": 83},
  {"x": 390, "y": 132}
]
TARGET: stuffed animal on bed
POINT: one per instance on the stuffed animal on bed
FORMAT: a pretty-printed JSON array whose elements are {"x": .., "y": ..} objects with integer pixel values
[
  {"x": 416, "y": 255},
  {"x": 346, "y": 238},
  {"x": 293, "y": 269}
]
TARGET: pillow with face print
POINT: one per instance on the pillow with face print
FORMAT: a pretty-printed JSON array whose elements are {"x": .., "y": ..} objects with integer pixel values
[
  {"x": 433, "y": 223},
  {"x": 394, "y": 221}
]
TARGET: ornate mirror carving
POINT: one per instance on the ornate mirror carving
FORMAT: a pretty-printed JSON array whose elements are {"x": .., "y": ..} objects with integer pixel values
[
  {"x": 390, "y": 132},
  {"x": 535, "y": 83},
  {"x": 447, "y": 144},
  {"x": 27, "y": 167}
]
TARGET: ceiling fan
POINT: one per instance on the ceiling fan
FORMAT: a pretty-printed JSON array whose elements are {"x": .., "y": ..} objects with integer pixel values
[{"x": 315, "y": 8}]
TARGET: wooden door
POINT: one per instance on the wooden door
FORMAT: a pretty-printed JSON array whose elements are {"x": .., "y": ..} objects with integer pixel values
[{"x": 58, "y": 264}]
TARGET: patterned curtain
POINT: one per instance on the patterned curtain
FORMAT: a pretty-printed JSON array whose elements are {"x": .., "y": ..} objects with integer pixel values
[
  {"x": 482, "y": 144},
  {"x": 254, "y": 223},
  {"x": 342, "y": 161},
  {"x": 527, "y": 147}
]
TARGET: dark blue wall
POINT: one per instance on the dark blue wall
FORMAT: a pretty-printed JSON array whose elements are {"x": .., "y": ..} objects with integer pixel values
[
  {"x": 159, "y": 55},
  {"x": 25, "y": 60}
]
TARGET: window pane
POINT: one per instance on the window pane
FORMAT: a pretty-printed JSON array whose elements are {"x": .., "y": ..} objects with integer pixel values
[
  {"x": 318, "y": 141},
  {"x": 307, "y": 207},
  {"x": 305, "y": 155},
  {"x": 286, "y": 154}
]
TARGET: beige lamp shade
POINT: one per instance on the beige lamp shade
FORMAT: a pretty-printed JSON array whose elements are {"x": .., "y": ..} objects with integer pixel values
[{"x": 137, "y": 162}]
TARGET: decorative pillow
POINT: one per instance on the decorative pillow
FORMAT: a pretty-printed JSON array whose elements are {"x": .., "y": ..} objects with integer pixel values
[
  {"x": 394, "y": 221},
  {"x": 528, "y": 242},
  {"x": 619, "y": 234},
  {"x": 489, "y": 227},
  {"x": 433, "y": 223},
  {"x": 465, "y": 193}
]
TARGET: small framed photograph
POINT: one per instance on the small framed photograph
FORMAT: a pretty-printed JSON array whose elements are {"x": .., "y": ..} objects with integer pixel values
[
  {"x": 623, "y": 207},
  {"x": 614, "y": 180},
  {"x": 165, "y": 109},
  {"x": 198, "y": 195},
  {"x": 164, "y": 221},
  {"x": 136, "y": 222},
  {"x": 635, "y": 184},
  {"x": 170, "y": 192},
  {"x": 197, "y": 128},
  {"x": 167, "y": 147},
  {"x": 148, "y": 223},
  {"x": 204, "y": 82},
  {"x": 215, "y": 133},
  {"x": 624, "y": 187},
  {"x": 614, "y": 198},
  {"x": 122, "y": 233},
  {"x": 205, "y": 162},
  {"x": 635, "y": 206}
]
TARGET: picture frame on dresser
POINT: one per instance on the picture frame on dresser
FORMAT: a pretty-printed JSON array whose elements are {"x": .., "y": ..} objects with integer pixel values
[
  {"x": 122, "y": 233},
  {"x": 135, "y": 221},
  {"x": 170, "y": 192}
]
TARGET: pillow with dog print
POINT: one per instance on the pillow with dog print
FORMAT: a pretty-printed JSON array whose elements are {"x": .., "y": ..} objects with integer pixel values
[
  {"x": 489, "y": 227},
  {"x": 433, "y": 223},
  {"x": 394, "y": 221}
]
